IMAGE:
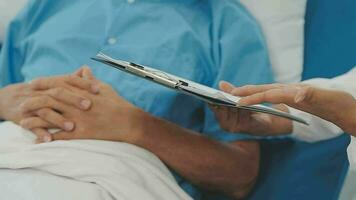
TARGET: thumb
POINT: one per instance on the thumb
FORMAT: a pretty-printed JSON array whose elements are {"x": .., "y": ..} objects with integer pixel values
[
  {"x": 79, "y": 72},
  {"x": 226, "y": 86},
  {"x": 87, "y": 73}
]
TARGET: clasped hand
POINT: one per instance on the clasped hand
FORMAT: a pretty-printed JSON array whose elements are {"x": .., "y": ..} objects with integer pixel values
[{"x": 77, "y": 105}]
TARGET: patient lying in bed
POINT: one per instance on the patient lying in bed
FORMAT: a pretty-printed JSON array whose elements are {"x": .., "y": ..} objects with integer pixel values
[
  {"x": 204, "y": 41},
  {"x": 80, "y": 169}
]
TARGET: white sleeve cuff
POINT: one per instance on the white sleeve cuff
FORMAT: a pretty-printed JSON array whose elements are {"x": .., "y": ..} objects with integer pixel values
[
  {"x": 318, "y": 129},
  {"x": 351, "y": 153}
]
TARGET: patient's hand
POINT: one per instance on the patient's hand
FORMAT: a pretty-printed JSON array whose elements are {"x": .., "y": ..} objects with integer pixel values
[
  {"x": 22, "y": 101},
  {"x": 236, "y": 120},
  {"x": 109, "y": 118}
]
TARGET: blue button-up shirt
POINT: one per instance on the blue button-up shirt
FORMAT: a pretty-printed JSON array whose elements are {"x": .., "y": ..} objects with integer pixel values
[{"x": 205, "y": 41}]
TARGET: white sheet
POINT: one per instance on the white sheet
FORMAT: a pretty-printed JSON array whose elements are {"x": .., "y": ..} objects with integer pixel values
[{"x": 80, "y": 169}]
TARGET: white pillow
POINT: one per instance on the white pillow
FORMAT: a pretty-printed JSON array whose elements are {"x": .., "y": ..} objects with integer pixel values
[
  {"x": 282, "y": 22},
  {"x": 8, "y": 10}
]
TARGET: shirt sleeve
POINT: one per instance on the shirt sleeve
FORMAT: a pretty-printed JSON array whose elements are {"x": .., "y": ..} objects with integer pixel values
[
  {"x": 320, "y": 129},
  {"x": 240, "y": 57},
  {"x": 351, "y": 153},
  {"x": 12, "y": 56}
]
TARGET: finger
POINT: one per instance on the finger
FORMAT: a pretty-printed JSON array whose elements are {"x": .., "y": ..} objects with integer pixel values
[
  {"x": 263, "y": 119},
  {"x": 72, "y": 80},
  {"x": 222, "y": 114},
  {"x": 227, "y": 118},
  {"x": 35, "y": 122},
  {"x": 69, "y": 97},
  {"x": 47, "y": 83},
  {"x": 253, "y": 89},
  {"x": 226, "y": 86},
  {"x": 307, "y": 94},
  {"x": 43, "y": 101},
  {"x": 83, "y": 83},
  {"x": 42, "y": 135},
  {"x": 55, "y": 118},
  {"x": 79, "y": 72},
  {"x": 235, "y": 119},
  {"x": 275, "y": 96},
  {"x": 87, "y": 73}
]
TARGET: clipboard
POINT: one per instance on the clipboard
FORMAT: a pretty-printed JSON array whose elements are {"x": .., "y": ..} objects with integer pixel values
[{"x": 205, "y": 93}]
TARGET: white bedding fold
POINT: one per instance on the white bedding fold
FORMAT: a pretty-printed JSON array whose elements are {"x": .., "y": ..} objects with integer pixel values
[{"x": 120, "y": 170}]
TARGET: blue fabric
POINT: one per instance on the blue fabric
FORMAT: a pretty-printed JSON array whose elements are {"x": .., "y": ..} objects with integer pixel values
[
  {"x": 330, "y": 51},
  {"x": 296, "y": 170},
  {"x": 331, "y": 38},
  {"x": 205, "y": 41}
]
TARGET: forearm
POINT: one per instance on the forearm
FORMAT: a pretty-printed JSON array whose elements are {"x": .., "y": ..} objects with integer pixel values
[
  {"x": 230, "y": 168},
  {"x": 341, "y": 107}
]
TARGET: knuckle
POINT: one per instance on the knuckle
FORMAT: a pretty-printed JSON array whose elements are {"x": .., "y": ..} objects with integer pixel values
[
  {"x": 308, "y": 89},
  {"x": 44, "y": 100},
  {"x": 44, "y": 113},
  {"x": 27, "y": 123},
  {"x": 57, "y": 92},
  {"x": 37, "y": 82},
  {"x": 72, "y": 78},
  {"x": 66, "y": 78},
  {"x": 38, "y": 132},
  {"x": 26, "y": 105},
  {"x": 309, "y": 93},
  {"x": 23, "y": 107}
]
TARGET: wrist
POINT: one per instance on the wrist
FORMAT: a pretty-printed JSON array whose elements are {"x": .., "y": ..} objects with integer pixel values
[
  {"x": 138, "y": 125},
  {"x": 347, "y": 120}
]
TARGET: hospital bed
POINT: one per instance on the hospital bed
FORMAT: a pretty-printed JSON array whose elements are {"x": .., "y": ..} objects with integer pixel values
[{"x": 329, "y": 51}]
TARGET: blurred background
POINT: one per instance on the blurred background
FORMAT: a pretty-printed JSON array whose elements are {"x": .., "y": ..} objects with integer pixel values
[{"x": 8, "y": 9}]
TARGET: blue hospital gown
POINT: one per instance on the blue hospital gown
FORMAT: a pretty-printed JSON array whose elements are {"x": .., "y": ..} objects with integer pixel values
[{"x": 202, "y": 40}]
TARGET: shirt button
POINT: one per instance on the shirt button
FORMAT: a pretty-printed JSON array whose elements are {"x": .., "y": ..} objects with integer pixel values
[
  {"x": 112, "y": 41},
  {"x": 130, "y": 1}
]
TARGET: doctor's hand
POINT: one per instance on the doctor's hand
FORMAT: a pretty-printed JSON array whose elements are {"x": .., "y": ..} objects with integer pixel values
[
  {"x": 335, "y": 106},
  {"x": 259, "y": 124}
]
